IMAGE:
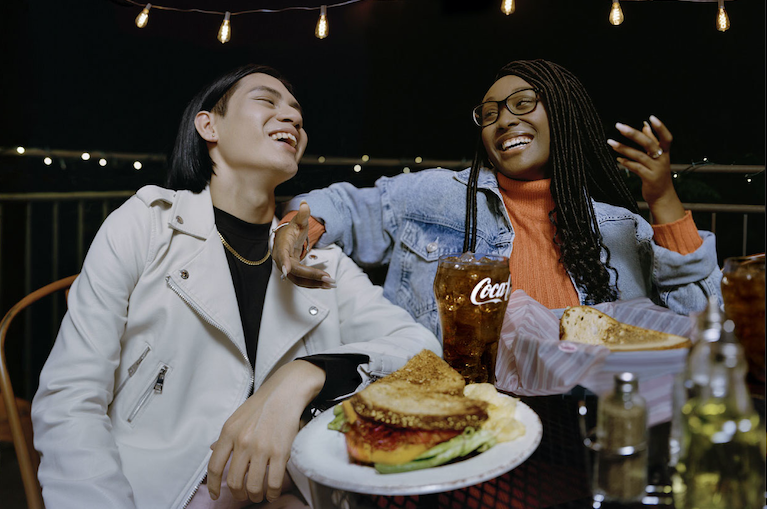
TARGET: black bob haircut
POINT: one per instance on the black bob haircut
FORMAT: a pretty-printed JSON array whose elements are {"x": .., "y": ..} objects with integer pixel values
[{"x": 190, "y": 164}]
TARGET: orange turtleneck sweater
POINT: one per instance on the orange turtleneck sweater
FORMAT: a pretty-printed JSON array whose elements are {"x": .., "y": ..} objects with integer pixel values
[{"x": 534, "y": 260}]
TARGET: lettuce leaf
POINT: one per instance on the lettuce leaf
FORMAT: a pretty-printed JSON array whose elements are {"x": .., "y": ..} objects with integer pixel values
[
  {"x": 467, "y": 442},
  {"x": 339, "y": 421}
]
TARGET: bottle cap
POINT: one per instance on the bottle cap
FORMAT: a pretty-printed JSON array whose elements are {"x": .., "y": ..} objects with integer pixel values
[{"x": 626, "y": 382}]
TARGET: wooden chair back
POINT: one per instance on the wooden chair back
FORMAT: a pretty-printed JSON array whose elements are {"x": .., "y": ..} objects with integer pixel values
[{"x": 20, "y": 428}]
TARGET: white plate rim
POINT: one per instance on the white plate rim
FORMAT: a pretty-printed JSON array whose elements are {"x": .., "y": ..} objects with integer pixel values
[{"x": 315, "y": 441}]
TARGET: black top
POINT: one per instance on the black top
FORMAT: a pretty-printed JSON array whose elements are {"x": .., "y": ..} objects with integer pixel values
[{"x": 251, "y": 241}]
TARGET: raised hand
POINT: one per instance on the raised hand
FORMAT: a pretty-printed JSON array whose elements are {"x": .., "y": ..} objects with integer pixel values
[{"x": 652, "y": 163}]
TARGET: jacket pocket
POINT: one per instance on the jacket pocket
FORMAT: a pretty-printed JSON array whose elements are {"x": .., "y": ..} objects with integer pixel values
[
  {"x": 430, "y": 240},
  {"x": 133, "y": 368},
  {"x": 423, "y": 243},
  {"x": 152, "y": 391}
]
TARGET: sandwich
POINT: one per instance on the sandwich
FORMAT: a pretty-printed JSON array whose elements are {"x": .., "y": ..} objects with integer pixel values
[
  {"x": 584, "y": 324},
  {"x": 416, "y": 417}
]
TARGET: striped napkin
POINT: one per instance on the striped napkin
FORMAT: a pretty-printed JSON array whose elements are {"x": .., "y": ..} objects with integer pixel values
[{"x": 532, "y": 361}]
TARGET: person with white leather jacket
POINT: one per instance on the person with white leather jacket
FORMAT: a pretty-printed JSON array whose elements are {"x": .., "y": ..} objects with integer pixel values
[{"x": 184, "y": 363}]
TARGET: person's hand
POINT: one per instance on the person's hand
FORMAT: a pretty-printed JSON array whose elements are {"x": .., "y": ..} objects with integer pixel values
[
  {"x": 651, "y": 162},
  {"x": 259, "y": 434},
  {"x": 289, "y": 242}
]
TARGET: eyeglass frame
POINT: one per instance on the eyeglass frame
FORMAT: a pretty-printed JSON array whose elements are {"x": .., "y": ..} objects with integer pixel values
[{"x": 506, "y": 105}]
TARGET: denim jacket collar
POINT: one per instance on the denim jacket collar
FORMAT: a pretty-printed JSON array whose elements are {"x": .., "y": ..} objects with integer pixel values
[{"x": 487, "y": 179}]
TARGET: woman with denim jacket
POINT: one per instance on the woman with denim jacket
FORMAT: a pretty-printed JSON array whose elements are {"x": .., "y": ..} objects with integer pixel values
[
  {"x": 543, "y": 189},
  {"x": 184, "y": 363}
]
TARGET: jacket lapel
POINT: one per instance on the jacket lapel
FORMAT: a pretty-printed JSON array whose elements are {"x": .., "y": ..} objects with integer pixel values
[
  {"x": 204, "y": 279},
  {"x": 290, "y": 312}
]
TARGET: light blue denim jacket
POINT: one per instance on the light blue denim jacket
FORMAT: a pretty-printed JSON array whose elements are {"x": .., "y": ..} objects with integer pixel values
[{"x": 410, "y": 220}]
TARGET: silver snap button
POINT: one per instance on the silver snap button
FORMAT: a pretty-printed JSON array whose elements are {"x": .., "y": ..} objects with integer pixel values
[
  {"x": 179, "y": 220},
  {"x": 431, "y": 247},
  {"x": 313, "y": 310},
  {"x": 184, "y": 274}
]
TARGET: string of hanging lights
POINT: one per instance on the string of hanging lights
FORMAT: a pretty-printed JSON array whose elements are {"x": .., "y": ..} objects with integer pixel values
[
  {"x": 322, "y": 29},
  {"x": 137, "y": 161},
  {"x": 616, "y": 14},
  {"x": 225, "y": 30}
]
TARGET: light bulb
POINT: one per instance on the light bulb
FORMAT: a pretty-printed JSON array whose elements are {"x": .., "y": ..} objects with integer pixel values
[
  {"x": 85, "y": 156},
  {"x": 321, "y": 159},
  {"x": 20, "y": 150},
  {"x": 48, "y": 161},
  {"x": 225, "y": 32},
  {"x": 102, "y": 162},
  {"x": 365, "y": 158},
  {"x": 357, "y": 168},
  {"x": 137, "y": 165},
  {"x": 322, "y": 29},
  {"x": 722, "y": 19},
  {"x": 419, "y": 159},
  {"x": 508, "y": 6},
  {"x": 143, "y": 16},
  {"x": 616, "y": 14}
]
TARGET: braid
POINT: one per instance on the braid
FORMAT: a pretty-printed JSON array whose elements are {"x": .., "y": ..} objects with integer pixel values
[
  {"x": 582, "y": 169},
  {"x": 470, "y": 229}
]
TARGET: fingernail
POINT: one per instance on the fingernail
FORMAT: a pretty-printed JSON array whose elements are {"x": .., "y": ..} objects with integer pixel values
[
  {"x": 328, "y": 279},
  {"x": 284, "y": 272},
  {"x": 618, "y": 125},
  {"x": 654, "y": 119},
  {"x": 612, "y": 142},
  {"x": 646, "y": 124},
  {"x": 214, "y": 496}
]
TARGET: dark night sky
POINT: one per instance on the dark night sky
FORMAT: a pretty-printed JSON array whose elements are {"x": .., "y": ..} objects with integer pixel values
[{"x": 396, "y": 78}]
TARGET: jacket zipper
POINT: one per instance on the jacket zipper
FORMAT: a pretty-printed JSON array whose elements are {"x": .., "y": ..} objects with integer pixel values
[
  {"x": 132, "y": 369},
  {"x": 154, "y": 388},
  {"x": 244, "y": 355}
]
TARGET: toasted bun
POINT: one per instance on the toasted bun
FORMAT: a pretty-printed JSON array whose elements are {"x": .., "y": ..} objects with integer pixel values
[
  {"x": 427, "y": 372},
  {"x": 399, "y": 405},
  {"x": 584, "y": 324}
]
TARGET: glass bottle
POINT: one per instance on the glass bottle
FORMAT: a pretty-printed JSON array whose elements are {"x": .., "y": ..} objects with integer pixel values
[
  {"x": 723, "y": 460},
  {"x": 620, "y": 468},
  {"x": 708, "y": 330}
]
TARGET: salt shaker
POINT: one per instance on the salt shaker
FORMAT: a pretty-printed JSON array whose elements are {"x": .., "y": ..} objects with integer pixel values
[{"x": 620, "y": 467}]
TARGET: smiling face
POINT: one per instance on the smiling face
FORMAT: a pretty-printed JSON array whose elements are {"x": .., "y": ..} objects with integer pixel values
[
  {"x": 262, "y": 128},
  {"x": 517, "y": 145}
]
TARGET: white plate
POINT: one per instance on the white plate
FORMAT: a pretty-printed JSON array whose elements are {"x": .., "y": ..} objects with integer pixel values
[{"x": 320, "y": 454}]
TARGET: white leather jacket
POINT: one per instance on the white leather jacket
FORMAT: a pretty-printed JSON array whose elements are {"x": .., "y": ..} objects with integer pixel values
[{"x": 150, "y": 360}]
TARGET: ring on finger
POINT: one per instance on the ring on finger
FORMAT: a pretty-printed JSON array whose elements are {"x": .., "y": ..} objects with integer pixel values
[{"x": 656, "y": 154}]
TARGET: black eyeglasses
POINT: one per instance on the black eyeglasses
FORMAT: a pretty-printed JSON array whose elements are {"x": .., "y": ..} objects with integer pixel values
[{"x": 520, "y": 102}]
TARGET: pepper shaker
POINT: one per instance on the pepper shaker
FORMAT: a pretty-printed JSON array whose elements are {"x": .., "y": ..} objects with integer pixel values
[{"x": 620, "y": 467}]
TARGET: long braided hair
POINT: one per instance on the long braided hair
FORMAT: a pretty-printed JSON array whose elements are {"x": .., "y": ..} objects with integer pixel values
[{"x": 582, "y": 169}]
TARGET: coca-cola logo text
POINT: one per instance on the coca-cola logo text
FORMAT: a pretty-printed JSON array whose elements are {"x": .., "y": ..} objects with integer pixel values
[{"x": 486, "y": 291}]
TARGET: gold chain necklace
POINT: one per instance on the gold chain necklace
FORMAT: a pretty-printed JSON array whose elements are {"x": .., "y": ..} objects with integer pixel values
[{"x": 242, "y": 258}]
